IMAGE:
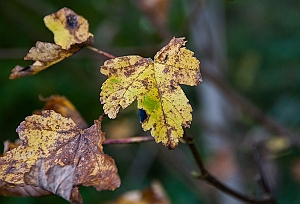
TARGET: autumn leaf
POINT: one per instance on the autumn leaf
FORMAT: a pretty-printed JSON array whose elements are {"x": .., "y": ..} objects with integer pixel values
[
  {"x": 155, "y": 85},
  {"x": 56, "y": 156},
  {"x": 61, "y": 105},
  {"x": 68, "y": 27},
  {"x": 71, "y": 34}
]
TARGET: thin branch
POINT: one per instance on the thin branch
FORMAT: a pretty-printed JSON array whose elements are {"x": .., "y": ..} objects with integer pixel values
[
  {"x": 136, "y": 139},
  {"x": 263, "y": 181},
  {"x": 207, "y": 177},
  {"x": 101, "y": 52},
  {"x": 129, "y": 140}
]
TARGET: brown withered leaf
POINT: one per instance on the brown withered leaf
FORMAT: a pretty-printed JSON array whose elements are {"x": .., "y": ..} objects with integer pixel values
[
  {"x": 62, "y": 105},
  {"x": 56, "y": 156},
  {"x": 71, "y": 34}
]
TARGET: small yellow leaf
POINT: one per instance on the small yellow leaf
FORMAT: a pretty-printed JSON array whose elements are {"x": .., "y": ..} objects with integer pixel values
[
  {"x": 68, "y": 27},
  {"x": 155, "y": 85},
  {"x": 70, "y": 35}
]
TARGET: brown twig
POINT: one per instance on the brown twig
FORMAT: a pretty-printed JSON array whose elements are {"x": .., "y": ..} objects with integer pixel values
[
  {"x": 207, "y": 177},
  {"x": 129, "y": 140},
  {"x": 262, "y": 180},
  {"x": 101, "y": 52}
]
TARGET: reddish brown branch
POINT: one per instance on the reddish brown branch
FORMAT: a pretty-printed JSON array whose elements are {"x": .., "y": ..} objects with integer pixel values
[
  {"x": 101, "y": 52},
  {"x": 129, "y": 140},
  {"x": 208, "y": 178}
]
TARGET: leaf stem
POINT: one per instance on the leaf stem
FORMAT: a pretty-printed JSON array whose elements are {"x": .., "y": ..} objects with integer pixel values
[
  {"x": 208, "y": 178},
  {"x": 101, "y": 52},
  {"x": 129, "y": 140}
]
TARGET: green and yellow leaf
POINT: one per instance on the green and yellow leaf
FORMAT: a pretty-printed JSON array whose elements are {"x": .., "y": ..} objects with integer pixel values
[{"x": 155, "y": 85}]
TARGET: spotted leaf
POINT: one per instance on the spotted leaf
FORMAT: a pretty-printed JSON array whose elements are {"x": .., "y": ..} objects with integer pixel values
[
  {"x": 155, "y": 85},
  {"x": 56, "y": 156},
  {"x": 71, "y": 34}
]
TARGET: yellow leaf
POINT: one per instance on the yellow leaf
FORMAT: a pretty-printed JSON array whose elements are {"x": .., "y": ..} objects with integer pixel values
[
  {"x": 155, "y": 85},
  {"x": 68, "y": 27},
  {"x": 70, "y": 34},
  {"x": 56, "y": 156}
]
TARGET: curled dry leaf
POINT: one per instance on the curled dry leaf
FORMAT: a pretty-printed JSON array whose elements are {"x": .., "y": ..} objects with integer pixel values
[
  {"x": 56, "y": 156},
  {"x": 155, "y": 85},
  {"x": 71, "y": 34},
  {"x": 60, "y": 104}
]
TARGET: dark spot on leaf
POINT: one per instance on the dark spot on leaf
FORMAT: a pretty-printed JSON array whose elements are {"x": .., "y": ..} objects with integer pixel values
[
  {"x": 10, "y": 170},
  {"x": 113, "y": 70},
  {"x": 172, "y": 85},
  {"x": 72, "y": 21},
  {"x": 166, "y": 70},
  {"x": 166, "y": 58},
  {"x": 145, "y": 82},
  {"x": 129, "y": 72},
  {"x": 114, "y": 98},
  {"x": 143, "y": 115},
  {"x": 65, "y": 160}
]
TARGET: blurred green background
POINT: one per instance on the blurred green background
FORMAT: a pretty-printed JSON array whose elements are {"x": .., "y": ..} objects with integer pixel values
[{"x": 262, "y": 49}]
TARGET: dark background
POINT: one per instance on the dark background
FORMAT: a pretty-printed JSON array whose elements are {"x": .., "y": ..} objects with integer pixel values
[{"x": 261, "y": 40}]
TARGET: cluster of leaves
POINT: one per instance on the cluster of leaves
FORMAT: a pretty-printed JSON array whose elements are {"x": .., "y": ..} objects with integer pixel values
[{"x": 57, "y": 152}]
